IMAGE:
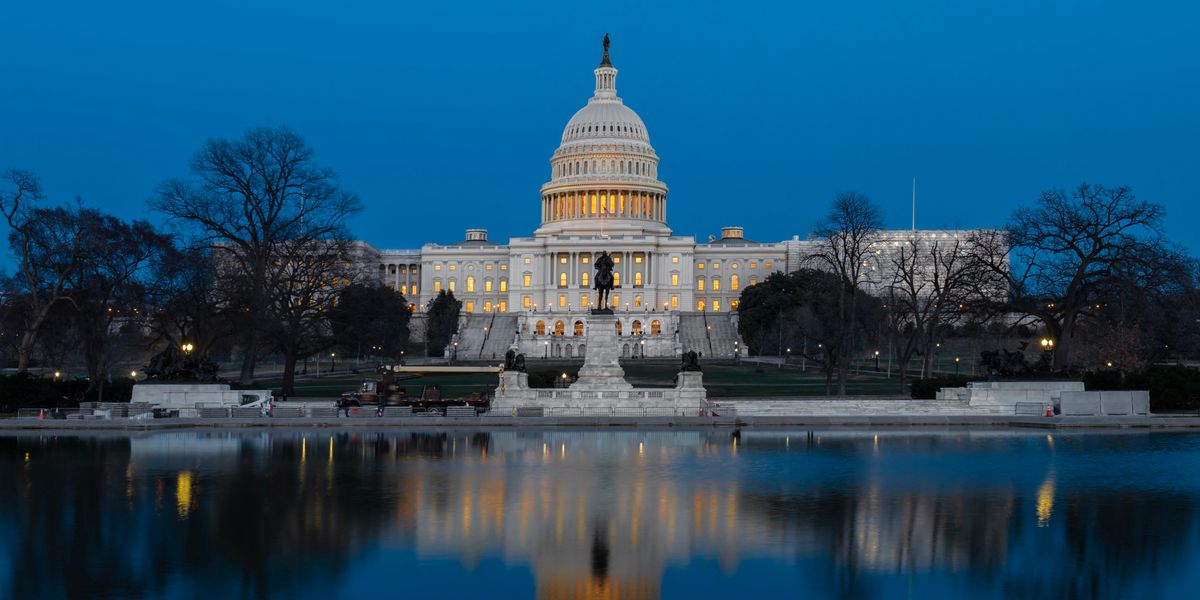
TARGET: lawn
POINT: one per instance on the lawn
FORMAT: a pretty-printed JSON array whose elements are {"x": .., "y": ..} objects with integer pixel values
[{"x": 723, "y": 380}]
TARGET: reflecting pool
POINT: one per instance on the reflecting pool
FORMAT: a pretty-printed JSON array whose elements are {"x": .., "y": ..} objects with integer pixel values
[{"x": 600, "y": 514}]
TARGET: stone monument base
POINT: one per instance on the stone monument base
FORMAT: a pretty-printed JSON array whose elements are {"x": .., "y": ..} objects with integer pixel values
[{"x": 687, "y": 398}]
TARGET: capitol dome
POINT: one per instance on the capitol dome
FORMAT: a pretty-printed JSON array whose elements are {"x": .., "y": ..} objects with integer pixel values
[{"x": 604, "y": 174}]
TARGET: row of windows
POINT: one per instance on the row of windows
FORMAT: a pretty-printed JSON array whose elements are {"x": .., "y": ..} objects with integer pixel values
[
  {"x": 734, "y": 283},
  {"x": 606, "y": 128},
  {"x": 622, "y": 167},
  {"x": 602, "y": 203},
  {"x": 768, "y": 265},
  {"x": 635, "y": 328},
  {"x": 715, "y": 305},
  {"x": 501, "y": 306},
  {"x": 470, "y": 267},
  {"x": 501, "y": 284}
]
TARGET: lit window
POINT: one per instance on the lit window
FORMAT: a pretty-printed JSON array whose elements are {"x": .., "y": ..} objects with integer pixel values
[
  {"x": 674, "y": 301},
  {"x": 503, "y": 306},
  {"x": 700, "y": 305},
  {"x": 450, "y": 284},
  {"x": 489, "y": 267},
  {"x": 733, "y": 282},
  {"x": 487, "y": 306},
  {"x": 527, "y": 280},
  {"x": 637, "y": 259},
  {"x": 540, "y": 328},
  {"x": 767, "y": 265},
  {"x": 526, "y": 302},
  {"x": 655, "y": 327},
  {"x": 700, "y": 265},
  {"x": 700, "y": 284},
  {"x": 414, "y": 289},
  {"x": 562, "y": 259},
  {"x": 733, "y": 266},
  {"x": 675, "y": 259},
  {"x": 733, "y": 304},
  {"x": 437, "y": 285},
  {"x": 637, "y": 279},
  {"x": 674, "y": 278},
  {"x": 562, "y": 301},
  {"x": 528, "y": 260},
  {"x": 470, "y": 283},
  {"x": 753, "y": 265},
  {"x": 585, "y": 258},
  {"x": 583, "y": 300},
  {"x": 504, "y": 267},
  {"x": 504, "y": 285},
  {"x": 616, "y": 259},
  {"x": 753, "y": 281},
  {"x": 470, "y": 306},
  {"x": 616, "y": 300},
  {"x": 453, "y": 267},
  {"x": 487, "y": 285},
  {"x": 562, "y": 280},
  {"x": 616, "y": 279},
  {"x": 637, "y": 300},
  {"x": 716, "y": 305},
  {"x": 716, "y": 265},
  {"x": 583, "y": 279},
  {"x": 716, "y": 288},
  {"x": 437, "y": 267}
]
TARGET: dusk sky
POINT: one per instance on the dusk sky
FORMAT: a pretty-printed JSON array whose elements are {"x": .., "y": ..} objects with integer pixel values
[{"x": 443, "y": 115}]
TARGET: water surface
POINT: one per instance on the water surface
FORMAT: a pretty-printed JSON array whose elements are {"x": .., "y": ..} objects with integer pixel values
[{"x": 600, "y": 514}]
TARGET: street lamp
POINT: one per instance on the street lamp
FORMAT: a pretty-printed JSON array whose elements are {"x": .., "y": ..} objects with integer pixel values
[
  {"x": 57, "y": 374},
  {"x": 643, "y": 348},
  {"x": 876, "y": 360},
  {"x": 454, "y": 355},
  {"x": 187, "y": 347},
  {"x": 332, "y": 361},
  {"x": 133, "y": 374},
  {"x": 547, "y": 345},
  {"x": 956, "y": 366}
]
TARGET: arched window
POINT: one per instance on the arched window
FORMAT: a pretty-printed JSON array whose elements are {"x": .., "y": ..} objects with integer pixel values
[
  {"x": 716, "y": 284},
  {"x": 487, "y": 285},
  {"x": 450, "y": 284},
  {"x": 635, "y": 328},
  {"x": 655, "y": 327},
  {"x": 562, "y": 280},
  {"x": 637, "y": 279},
  {"x": 437, "y": 285},
  {"x": 583, "y": 278},
  {"x": 716, "y": 306},
  {"x": 559, "y": 328},
  {"x": 700, "y": 305},
  {"x": 470, "y": 283},
  {"x": 578, "y": 328},
  {"x": 540, "y": 328},
  {"x": 733, "y": 281},
  {"x": 504, "y": 285},
  {"x": 616, "y": 278}
]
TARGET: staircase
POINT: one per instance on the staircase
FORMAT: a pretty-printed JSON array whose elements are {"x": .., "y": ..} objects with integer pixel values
[
  {"x": 499, "y": 337},
  {"x": 723, "y": 337},
  {"x": 471, "y": 334},
  {"x": 693, "y": 334}
]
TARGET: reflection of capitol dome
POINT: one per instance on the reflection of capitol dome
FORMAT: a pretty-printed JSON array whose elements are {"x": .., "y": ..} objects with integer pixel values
[{"x": 604, "y": 173}]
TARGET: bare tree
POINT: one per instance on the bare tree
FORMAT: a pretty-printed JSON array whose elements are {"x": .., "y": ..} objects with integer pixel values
[
  {"x": 247, "y": 198},
  {"x": 846, "y": 243},
  {"x": 1063, "y": 257},
  {"x": 48, "y": 244},
  {"x": 307, "y": 283},
  {"x": 933, "y": 282},
  {"x": 109, "y": 283}
]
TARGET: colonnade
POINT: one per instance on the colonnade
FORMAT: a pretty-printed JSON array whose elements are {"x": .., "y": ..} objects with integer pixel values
[
  {"x": 620, "y": 204},
  {"x": 402, "y": 277}
]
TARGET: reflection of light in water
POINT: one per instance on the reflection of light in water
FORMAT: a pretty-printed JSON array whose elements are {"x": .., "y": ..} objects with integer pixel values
[
  {"x": 303, "y": 449},
  {"x": 1045, "y": 499},
  {"x": 183, "y": 493},
  {"x": 1050, "y": 441}
]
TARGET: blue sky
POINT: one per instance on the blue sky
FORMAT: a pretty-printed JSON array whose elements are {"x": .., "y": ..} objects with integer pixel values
[{"x": 443, "y": 115}]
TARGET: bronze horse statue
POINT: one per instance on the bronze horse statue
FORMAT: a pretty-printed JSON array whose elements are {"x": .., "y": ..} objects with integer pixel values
[{"x": 603, "y": 280}]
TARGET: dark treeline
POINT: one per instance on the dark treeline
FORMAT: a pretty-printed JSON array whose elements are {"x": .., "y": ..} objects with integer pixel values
[
  {"x": 1083, "y": 280},
  {"x": 253, "y": 260}
]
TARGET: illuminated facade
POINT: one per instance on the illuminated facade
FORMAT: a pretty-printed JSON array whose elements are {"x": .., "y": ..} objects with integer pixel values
[{"x": 673, "y": 293}]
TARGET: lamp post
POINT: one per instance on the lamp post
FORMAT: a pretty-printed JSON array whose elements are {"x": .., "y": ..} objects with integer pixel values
[
  {"x": 547, "y": 346},
  {"x": 787, "y": 357},
  {"x": 1048, "y": 347},
  {"x": 332, "y": 361},
  {"x": 956, "y": 359},
  {"x": 454, "y": 353},
  {"x": 876, "y": 360}
]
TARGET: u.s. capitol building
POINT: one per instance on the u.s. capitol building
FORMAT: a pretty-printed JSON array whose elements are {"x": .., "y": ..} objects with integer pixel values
[{"x": 672, "y": 294}]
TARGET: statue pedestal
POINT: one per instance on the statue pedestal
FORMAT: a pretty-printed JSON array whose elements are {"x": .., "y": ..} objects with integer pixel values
[{"x": 601, "y": 370}]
